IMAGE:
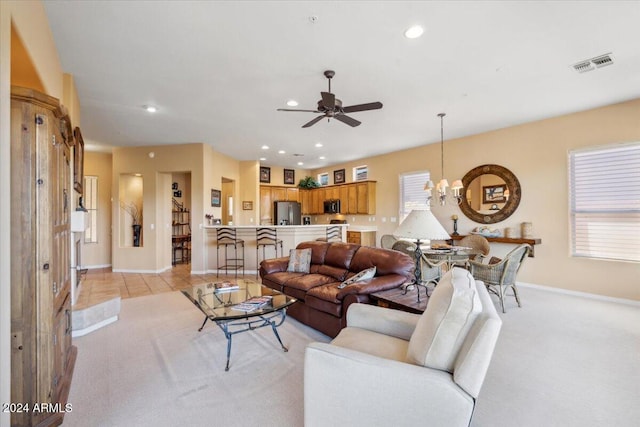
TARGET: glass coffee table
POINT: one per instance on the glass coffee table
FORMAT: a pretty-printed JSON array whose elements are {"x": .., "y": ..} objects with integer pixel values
[{"x": 229, "y": 308}]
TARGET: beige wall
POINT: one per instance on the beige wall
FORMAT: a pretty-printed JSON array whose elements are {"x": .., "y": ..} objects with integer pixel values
[
  {"x": 99, "y": 254},
  {"x": 156, "y": 239},
  {"x": 249, "y": 192},
  {"x": 206, "y": 168},
  {"x": 537, "y": 154}
]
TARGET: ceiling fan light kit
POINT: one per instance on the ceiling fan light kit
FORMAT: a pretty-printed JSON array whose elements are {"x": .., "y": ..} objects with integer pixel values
[{"x": 331, "y": 107}]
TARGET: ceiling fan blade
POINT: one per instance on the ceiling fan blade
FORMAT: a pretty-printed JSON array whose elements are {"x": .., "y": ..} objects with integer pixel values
[
  {"x": 328, "y": 100},
  {"x": 304, "y": 111},
  {"x": 313, "y": 122},
  {"x": 362, "y": 107},
  {"x": 346, "y": 119}
]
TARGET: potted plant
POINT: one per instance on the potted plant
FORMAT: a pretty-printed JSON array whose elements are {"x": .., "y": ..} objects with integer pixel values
[{"x": 308, "y": 183}]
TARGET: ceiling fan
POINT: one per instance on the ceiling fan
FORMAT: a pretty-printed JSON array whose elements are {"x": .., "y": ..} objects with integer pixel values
[{"x": 331, "y": 107}]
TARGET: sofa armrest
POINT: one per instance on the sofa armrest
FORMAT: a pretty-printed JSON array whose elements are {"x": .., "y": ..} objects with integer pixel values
[
  {"x": 347, "y": 387},
  {"x": 369, "y": 286},
  {"x": 273, "y": 265},
  {"x": 385, "y": 321}
]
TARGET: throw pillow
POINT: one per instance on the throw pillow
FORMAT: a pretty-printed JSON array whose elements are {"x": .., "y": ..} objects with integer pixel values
[
  {"x": 453, "y": 308},
  {"x": 299, "y": 260},
  {"x": 369, "y": 273}
]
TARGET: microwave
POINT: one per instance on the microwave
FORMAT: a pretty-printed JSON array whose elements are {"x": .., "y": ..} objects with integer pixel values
[{"x": 332, "y": 206}]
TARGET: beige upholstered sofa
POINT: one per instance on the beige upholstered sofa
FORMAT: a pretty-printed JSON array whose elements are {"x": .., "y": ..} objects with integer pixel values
[{"x": 389, "y": 367}]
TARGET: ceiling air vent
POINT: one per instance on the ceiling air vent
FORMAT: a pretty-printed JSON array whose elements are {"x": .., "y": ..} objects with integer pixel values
[
  {"x": 593, "y": 63},
  {"x": 584, "y": 66},
  {"x": 603, "y": 61}
]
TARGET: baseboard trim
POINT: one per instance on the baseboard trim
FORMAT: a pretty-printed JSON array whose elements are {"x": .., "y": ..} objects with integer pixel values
[
  {"x": 624, "y": 301},
  {"x": 95, "y": 267},
  {"x": 225, "y": 273},
  {"x": 126, "y": 270},
  {"x": 94, "y": 327}
]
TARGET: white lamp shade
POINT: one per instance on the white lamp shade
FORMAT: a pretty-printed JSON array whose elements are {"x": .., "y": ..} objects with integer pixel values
[
  {"x": 443, "y": 184},
  {"x": 422, "y": 225},
  {"x": 457, "y": 184},
  {"x": 428, "y": 185}
]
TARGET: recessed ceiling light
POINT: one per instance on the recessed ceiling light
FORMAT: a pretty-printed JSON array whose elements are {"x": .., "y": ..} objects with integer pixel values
[
  {"x": 281, "y": 151},
  {"x": 322, "y": 157},
  {"x": 150, "y": 108},
  {"x": 318, "y": 144},
  {"x": 300, "y": 163},
  {"x": 265, "y": 147},
  {"x": 292, "y": 103},
  {"x": 262, "y": 159},
  {"x": 414, "y": 32}
]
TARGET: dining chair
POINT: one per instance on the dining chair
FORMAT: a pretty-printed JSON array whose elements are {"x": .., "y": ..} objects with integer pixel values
[{"x": 501, "y": 276}]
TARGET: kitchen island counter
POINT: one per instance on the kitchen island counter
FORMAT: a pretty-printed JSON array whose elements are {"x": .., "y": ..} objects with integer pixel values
[{"x": 291, "y": 236}]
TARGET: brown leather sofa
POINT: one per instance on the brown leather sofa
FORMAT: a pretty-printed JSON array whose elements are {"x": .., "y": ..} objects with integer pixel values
[{"x": 321, "y": 304}]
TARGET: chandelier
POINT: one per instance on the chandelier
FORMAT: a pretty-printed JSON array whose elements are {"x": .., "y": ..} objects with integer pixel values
[{"x": 441, "y": 187}]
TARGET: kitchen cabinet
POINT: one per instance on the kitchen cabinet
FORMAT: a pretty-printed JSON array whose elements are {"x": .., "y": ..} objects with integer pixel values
[
  {"x": 278, "y": 194},
  {"x": 292, "y": 194},
  {"x": 42, "y": 354},
  {"x": 366, "y": 195},
  {"x": 352, "y": 199},
  {"x": 266, "y": 206},
  {"x": 272, "y": 193},
  {"x": 305, "y": 201},
  {"x": 343, "y": 195},
  {"x": 363, "y": 238},
  {"x": 355, "y": 198}
]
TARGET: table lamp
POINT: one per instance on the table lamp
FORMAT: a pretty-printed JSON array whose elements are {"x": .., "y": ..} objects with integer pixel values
[{"x": 420, "y": 225}]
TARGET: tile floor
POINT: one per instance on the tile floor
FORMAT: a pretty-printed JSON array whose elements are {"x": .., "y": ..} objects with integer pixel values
[{"x": 100, "y": 285}]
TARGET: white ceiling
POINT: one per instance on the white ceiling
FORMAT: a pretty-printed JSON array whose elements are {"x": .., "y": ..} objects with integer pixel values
[{"x": 217, "y": 71}]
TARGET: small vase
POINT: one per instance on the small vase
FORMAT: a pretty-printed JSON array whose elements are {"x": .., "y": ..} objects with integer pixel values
[
  {"x": 137, "y": 228},
  {"x": 526, "y": 230}
]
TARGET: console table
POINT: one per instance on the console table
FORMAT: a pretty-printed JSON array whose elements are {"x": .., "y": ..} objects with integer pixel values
[{"x": 509, "y": 240}]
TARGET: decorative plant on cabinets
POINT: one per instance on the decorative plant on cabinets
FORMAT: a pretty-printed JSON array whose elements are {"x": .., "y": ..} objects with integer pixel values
[{"x": 135, "y": 212}]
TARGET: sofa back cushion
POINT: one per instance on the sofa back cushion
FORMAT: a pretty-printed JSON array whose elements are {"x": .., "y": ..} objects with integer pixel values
[
  {"x": 318, "y": 250},
  {"x": 339, "y": 254},
  {"x": 386, "y": 262},
  {"x": 453, "y": 308}
]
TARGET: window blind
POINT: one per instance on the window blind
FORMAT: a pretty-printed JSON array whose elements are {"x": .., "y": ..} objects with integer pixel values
[
  {"x": 605, "y": 202},
  {"x": 412, "y": 192}
]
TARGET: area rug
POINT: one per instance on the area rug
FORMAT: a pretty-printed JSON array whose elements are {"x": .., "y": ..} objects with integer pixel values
[{"x": 154, "y": 359}]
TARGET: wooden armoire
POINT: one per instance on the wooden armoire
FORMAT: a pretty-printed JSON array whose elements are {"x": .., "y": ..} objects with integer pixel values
[{"x": 42, "y": 357}]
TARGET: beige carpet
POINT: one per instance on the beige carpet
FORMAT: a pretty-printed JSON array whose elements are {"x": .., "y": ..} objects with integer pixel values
[
  {"x": 560, "y": 361},
  {"x": 153, "y": 368}
]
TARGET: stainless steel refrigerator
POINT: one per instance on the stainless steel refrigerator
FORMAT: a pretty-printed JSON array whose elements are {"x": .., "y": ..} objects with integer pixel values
[{"x": 287, "y": 213}]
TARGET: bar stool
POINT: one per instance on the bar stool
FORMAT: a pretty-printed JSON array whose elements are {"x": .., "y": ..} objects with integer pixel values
[
  {"x": 227, "y": 237},
  {"x": 334, "y": 234},
  {"x": 266, "y": 236}
]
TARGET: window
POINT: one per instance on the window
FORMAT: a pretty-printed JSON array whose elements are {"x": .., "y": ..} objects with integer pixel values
[
  {"x": 412, "y": 192},
  {"x": 360, "y": 173},
  {"x": 323, "y": 178},
  {"x": 91, "y": 205},
  {"x": 604, "y": 198}
]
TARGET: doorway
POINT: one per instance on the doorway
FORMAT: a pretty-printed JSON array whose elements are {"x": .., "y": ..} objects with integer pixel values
[
  {"x": 227, "y": 202},
  {"x": 180, "y": 218}
]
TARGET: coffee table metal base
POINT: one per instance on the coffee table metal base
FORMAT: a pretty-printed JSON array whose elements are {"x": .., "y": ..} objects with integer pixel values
[{"x": 273, "y": 319}]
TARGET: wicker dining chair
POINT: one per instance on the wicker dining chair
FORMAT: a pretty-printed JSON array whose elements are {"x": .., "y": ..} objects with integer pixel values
[
  {"x": 477, "y": 242},
  {"x": 501, "y": 276},
  {"x": 387, "y": 241},
  {"x": 430, "y": 271}
]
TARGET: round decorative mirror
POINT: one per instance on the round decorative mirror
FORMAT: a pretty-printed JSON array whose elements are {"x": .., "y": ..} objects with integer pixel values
[{"x": 491, "y": 194}]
